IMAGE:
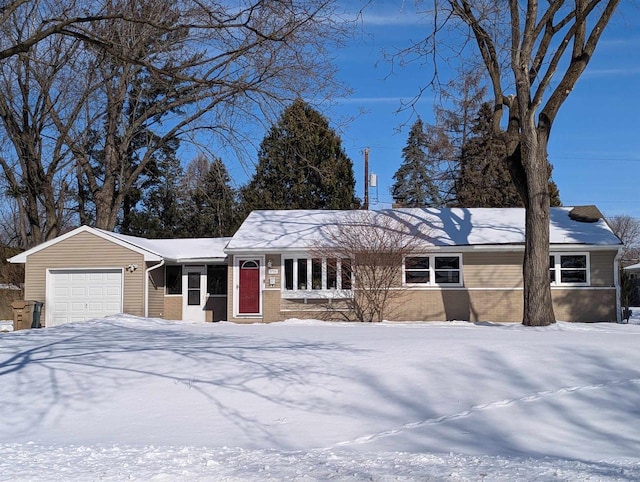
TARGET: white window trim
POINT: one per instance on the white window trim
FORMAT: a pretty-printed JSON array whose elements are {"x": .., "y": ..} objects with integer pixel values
[
  {"x": 325, "y": 292},
  {"x": 432, "y": 271},
  {"x": 557, "y": 267}
]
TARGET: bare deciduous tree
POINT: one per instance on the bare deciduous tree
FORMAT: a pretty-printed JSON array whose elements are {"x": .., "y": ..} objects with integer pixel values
[
  {"x": 35, "y": 160},
  {"x": 533, "y": 54},
  {"x": 53, "y": 18},
  {"x": 627, "y": 228},
  {"x": 375, "y": 243},
  {"x": 152, "y": 72}
]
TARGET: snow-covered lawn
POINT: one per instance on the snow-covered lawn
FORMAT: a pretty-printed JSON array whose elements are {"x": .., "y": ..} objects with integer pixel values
[{"x": 127, "y": 398}]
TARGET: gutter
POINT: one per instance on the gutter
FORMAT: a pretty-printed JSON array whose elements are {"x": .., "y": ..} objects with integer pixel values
[
  {"x": 616, "y": 282},
  {"x": 146, "y": 286}
]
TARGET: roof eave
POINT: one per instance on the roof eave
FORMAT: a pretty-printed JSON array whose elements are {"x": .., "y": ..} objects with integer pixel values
[
  {"x": 147, "y": 255},
  {"x": 214, "y": 259},
  {"x": 439, "y": 247}
]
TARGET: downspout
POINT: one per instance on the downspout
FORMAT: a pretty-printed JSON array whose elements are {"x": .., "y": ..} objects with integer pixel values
[
  {"x": 146, "y": 286},
  {"x": 616, "y": 281}
]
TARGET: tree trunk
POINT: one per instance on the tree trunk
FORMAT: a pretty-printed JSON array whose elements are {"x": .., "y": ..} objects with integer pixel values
[
  {"x": 538, "y": 306},
  {"x": 107, "y": 202}
]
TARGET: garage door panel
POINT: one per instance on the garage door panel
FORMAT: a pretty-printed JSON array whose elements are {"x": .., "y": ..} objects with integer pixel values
[
  {"x": 74, "y": 318},
  {"x": 113, "y": 306},
  {"x": 76, "y": 307},
  {"x": 79, "y": 291},
  {"x": 82, "y": 294},
  {"x": 60, "y": 292},
  {"x": 95, "y": 291}
]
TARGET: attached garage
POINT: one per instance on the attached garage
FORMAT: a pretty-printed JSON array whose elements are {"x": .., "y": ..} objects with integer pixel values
[
  {"x": 89, "y": 273},
  {"x": 80, "y": 294},
  {"x": 86, "y": 274}
]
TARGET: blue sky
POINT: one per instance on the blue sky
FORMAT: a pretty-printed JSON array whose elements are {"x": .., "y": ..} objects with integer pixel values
[{"x": 595, "y": 140}]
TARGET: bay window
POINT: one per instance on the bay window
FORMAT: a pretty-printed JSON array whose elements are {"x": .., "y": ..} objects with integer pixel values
[{"x": 302, "y": 274}]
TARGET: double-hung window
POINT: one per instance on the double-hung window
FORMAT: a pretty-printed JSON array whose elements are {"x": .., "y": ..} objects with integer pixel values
[
  {"x": 329, "y": 275},
  {"x": 433, "y": 270},
  {"x": 570, "y": 269}
]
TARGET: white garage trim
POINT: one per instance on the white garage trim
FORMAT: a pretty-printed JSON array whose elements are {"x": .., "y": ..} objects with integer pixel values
[
  {"x": 77, "y": 294},
  {"x": 111, "y": 237}
]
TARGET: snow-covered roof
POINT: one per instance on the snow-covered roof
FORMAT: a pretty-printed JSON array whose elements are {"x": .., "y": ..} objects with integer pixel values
[
  {"x": 633, "y": 267},
  {"x": 176, "y": 249},
  {"x": 302, "y": 229},
  {"x": 179, "y": 250}
]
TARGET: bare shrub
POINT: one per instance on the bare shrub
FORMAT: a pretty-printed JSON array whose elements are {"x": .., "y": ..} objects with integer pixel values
[{"x": 375, "y": 243}]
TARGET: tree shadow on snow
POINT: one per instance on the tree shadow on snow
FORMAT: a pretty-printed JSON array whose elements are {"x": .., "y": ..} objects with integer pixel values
[
  {"x": 542, "y": 414},
  {"x": 47, "y": 373}
]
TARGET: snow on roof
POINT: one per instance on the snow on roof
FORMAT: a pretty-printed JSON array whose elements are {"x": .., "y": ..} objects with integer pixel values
[
  {"x": 300, "y": 229},
  {"x": 633, "y": 267},
  {"x": 177, "y": 249},
  {"x": 153, "y": 249}
]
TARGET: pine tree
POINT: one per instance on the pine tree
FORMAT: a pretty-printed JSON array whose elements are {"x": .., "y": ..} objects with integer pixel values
[
  {"x": 160, "y": 211},
  {"x": 212, "y": 202},
  {"x": 415, "y": 184},
  {"x": 483, "y": 178},
  {"x": 301, "y": 165}
]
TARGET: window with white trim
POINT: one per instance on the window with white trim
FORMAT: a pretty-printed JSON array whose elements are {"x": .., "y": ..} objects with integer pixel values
[
  {"x": 433, "y": 270},
  {"x": 569, "y": 269},
  {"x": 316, "y": 274}
]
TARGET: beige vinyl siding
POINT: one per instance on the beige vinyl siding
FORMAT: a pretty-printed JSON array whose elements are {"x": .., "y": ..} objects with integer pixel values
[
  {"x": 602, "y": 272},
  {"x": 492, "y": 269},
  {"x": 156, "y": 291},
  {"x": 86, "y": 250}
]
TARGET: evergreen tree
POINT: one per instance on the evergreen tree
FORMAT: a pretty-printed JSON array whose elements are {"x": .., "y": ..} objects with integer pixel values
[
  {"x": 483, "y": 178},
  {"x": 432, "y": 155},
  {"x": 415, "y": 180},
  {"x": 212, "y": 202},
  {"x": 301, "y": 165},
  {"x": 160, "y": 211}
]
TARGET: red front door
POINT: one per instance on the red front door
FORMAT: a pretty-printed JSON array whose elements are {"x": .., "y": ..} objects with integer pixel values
[{"x": 249, "y": 289}]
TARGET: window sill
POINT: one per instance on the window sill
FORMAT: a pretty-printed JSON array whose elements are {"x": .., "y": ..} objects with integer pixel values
[
  {"x": 570, "y": 285},
  {"x": 437, "y": 286},
  {"x": 317, "y": 294}
]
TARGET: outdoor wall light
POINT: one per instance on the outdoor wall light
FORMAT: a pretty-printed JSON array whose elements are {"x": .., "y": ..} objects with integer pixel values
[
  {"x": 269, "y": 263},
  {"x": 131, "y": 268}
]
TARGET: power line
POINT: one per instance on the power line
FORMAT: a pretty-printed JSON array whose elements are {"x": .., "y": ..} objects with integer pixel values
[{"x": 608, "y": 159}]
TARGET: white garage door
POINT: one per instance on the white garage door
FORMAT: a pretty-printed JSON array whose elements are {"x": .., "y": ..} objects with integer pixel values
[{"x": 77, "y": 295}]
